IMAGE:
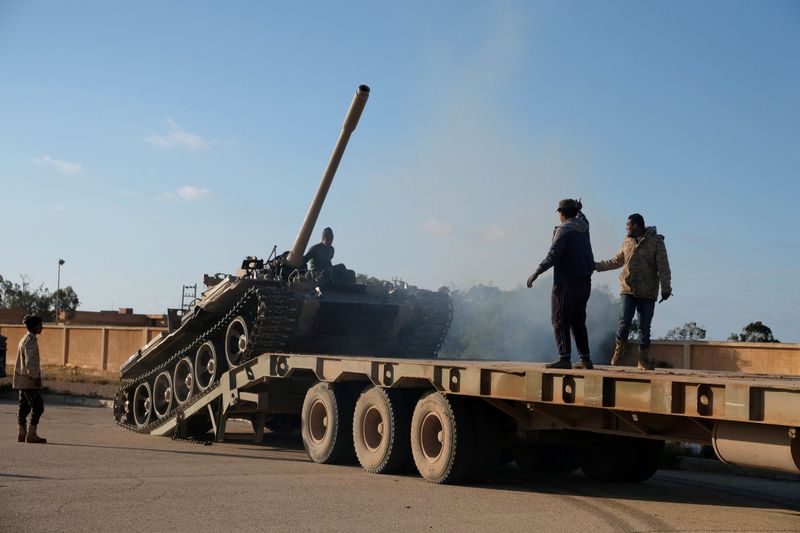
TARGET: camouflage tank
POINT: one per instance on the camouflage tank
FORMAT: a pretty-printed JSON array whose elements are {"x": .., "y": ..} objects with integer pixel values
[{"x": 278, "y": 305}]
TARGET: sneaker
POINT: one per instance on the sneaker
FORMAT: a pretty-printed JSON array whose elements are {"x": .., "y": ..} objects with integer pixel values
[
  {"x": 561, "y": 362},
  {"x": 584, "y": 363}
]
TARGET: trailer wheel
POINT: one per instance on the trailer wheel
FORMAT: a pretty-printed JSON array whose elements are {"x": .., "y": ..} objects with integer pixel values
[
  {"x": 442, "y": 438},
  {"x": 487, "y": 441},
  {"x": 546, "y": 457},
  {"x": 381, "y": 425},
  {"x": 327, "y": 424},
  {"x": 612, "y": 459},
  {"x": 650, "y": 455}
]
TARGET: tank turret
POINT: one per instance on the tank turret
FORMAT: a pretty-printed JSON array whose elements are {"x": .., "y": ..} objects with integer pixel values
[{"x": 278, "y": 306}]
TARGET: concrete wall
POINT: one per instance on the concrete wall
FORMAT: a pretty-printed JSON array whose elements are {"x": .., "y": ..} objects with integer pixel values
[
  {"x": 96, "y": 347},
  {"x": 750, "y": 357},
  {"x": 107, "y": 347}
]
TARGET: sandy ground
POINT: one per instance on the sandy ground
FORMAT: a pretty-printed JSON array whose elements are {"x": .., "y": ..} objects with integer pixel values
[{"x": 96, "y": 476}]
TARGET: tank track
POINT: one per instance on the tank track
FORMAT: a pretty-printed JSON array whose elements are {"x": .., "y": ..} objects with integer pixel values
[
  {"x": 432, "y": 316},
  {"x": 272, "y": 325}
]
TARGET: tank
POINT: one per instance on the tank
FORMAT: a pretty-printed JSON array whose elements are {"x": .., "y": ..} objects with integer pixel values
[{"x": 279, "y": 305}]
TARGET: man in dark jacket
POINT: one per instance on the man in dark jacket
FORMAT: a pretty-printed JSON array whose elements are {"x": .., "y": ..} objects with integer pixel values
[{"x": 571, "y": 256}]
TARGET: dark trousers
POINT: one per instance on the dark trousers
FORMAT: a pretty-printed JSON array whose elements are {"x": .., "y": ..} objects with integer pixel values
[
  {"x": 30, "y": 400},
  {"x": 645, "y": 308},
  {"x": 569, "y": 315}
]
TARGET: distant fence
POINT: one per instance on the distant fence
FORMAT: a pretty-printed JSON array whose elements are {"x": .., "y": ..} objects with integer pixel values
[
  {"x": 107, "y": 347},
  {"x": 95, "y": 347}
]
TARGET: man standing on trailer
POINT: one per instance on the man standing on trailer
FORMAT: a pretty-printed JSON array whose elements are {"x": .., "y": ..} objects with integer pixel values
[
  {"x": 644, "y": 262},
  {"x": 571, "y": 256}
]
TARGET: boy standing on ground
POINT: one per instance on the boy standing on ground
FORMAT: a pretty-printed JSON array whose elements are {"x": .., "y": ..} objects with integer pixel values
[{"x": 28, "y": 379}]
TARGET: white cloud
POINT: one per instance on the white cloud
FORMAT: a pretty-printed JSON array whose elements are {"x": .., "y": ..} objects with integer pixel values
[
  {"x": 187, "y": 193},
  {"x": 191, "y": 194},
  {"x": 436, "y": 228},
  {"x": 64, "y": 167},
  {"x": 492, "y": 233},
  {"x": 177, "y": 138}
]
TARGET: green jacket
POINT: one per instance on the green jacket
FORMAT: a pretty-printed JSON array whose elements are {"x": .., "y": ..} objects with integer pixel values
[{"x": 644, "y": 265}]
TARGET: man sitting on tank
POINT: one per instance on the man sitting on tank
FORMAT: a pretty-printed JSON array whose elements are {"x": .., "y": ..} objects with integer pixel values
[
  {"x": 320, "y": 255},
  {"x": 319, "y": 259}
]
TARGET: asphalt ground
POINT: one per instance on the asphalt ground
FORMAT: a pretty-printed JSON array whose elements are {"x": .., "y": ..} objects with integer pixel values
[{"x": 94, "y": 476}]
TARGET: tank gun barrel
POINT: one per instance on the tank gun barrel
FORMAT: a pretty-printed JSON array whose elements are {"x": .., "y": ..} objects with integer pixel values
[{"x": 295, "y": 258}]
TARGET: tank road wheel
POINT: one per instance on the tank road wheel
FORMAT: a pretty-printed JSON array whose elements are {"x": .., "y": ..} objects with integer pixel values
[
  {"x": 442, "y": 438},
  {"x": 183, "y": 380},
  {"x": 236, "y": 341},
  {"x": 162, "y": 394},
  {"x": 381, "y": 425},
  {"x": 122, "y": 404},
  {"x": 142, "y": 405},
  {"x": 327, "y": 424},
  {"x": 206, "y": 365}
]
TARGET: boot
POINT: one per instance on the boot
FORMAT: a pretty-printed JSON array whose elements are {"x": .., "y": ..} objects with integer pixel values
[
  {"x": 585, "y": 363},
  {"x": 644, "y": 361},
  {"x": 561, "y": 362},
  {"x": 23, "y": 432},
  {"x": 33, "y": 438},
  {"x": 619, "y": 352}
]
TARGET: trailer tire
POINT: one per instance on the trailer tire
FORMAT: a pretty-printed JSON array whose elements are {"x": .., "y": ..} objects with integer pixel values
[
  {"x": 442, "y": 438},
  {"x": 487, "y": 441},
  {"x": 650, "y": 456},
  {"x": 381, "y": 427},
  {"x": 327, "y": 424},
  {"x": 611, "y": 459}
]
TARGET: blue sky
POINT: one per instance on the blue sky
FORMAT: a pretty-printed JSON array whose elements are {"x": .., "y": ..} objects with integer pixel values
[{"x": 150, "y": 143}]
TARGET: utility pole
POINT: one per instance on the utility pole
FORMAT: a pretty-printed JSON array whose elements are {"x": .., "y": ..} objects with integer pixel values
[{"x": 58, "y": 285}]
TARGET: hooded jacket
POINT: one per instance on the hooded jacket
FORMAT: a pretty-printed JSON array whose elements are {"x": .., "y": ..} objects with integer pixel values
[
  {"x": 644, "y": 265},
  {"x": 570, "y": 253},
  {"x": 26, "y": 368}
]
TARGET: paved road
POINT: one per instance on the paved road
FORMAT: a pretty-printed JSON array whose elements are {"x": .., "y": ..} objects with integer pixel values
[{"x": 94, "y": 476}]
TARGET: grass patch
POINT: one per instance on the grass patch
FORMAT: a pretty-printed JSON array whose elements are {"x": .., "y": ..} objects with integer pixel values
[{"x": 77, "y": 374}]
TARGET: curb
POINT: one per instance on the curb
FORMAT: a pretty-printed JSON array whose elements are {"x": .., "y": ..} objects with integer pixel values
[
  {"x": 712, "y": 466},
  {"x": 63, "y": 399}
]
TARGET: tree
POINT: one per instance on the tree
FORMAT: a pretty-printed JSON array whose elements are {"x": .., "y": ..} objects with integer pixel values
[
  {"x": 39, "y": 301},
  {"x": 754, "y": 332},
  {"x": 67, "y": 301},
  {"x": 688, "y": 332}
]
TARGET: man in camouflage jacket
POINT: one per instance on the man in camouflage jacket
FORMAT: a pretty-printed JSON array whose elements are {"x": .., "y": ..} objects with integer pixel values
[{"x": 645, "y": 266}]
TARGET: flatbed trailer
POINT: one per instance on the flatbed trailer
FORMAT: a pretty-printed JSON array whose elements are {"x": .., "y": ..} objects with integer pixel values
[{"x": 453, "y": 419}]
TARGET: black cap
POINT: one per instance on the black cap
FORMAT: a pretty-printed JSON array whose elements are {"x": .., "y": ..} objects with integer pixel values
[{"x": 569, "y": 204}]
